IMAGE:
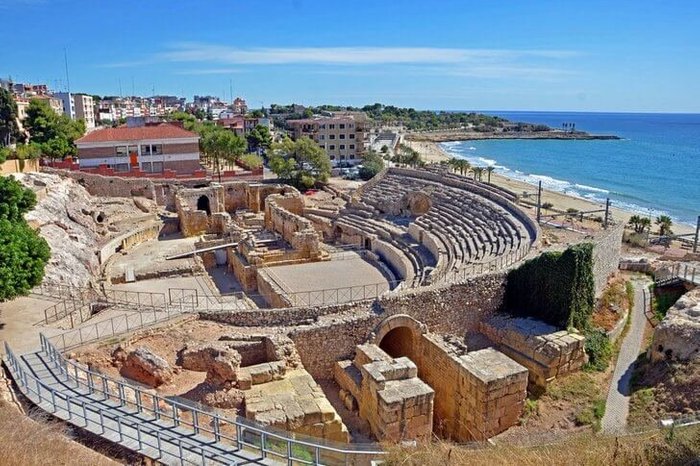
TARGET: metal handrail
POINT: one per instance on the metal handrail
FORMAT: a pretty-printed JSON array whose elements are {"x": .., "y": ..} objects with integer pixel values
[{"x": 72, "y": 370}]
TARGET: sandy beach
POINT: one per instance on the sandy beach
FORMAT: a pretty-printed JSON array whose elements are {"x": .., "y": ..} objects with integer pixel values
[{"x": 432, "y": 153}]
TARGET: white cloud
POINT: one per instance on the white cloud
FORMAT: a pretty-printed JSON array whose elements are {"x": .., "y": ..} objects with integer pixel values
[
  {"x": 196, "y": 52},
  {"x": 533, "y": 64}
]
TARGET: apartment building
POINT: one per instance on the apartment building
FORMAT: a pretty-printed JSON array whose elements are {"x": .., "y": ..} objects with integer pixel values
[
  {"x": 342, "y": 137},
  {"x": 78, "y": 107},
  {"x": 146, "y": 148}
]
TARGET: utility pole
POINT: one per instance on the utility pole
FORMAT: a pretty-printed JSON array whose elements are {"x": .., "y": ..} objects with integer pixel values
[
  {"x": 539, "y": 201},
  {"x": 697, "y": 236},
  {"x": 607, "y": 213}
]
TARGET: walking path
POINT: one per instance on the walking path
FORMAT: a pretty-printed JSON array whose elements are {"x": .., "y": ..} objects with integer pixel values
[{"x": 617, "y": 404}]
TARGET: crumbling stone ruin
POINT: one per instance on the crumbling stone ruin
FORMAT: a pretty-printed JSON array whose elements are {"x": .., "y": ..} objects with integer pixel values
[
  {"x": 677, "y": 337},
  {"x": 411, "y": 383}
]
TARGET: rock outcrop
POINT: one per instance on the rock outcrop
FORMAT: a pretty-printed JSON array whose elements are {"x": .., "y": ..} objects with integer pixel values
[
  {"x": 146, "y": 367},
  {"x": 678, "y": 335}
]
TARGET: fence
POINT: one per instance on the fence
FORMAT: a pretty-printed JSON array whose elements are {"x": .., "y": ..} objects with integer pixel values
[
  {"x": 238, "y": 432},
  {"x": 685, "y": 272},
  {"x": 480, "y": 268}
]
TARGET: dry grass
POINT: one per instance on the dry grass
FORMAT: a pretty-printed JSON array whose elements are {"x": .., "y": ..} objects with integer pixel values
[
  {"x": 656, "y": 448},
  {"x": 26, "y": 441}
]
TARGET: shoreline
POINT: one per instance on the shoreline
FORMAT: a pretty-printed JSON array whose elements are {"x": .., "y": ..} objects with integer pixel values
[{"x": 431, "y": 152}]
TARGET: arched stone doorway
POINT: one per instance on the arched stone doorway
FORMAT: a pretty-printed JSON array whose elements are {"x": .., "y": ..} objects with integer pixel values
[
  {"x": 399, "y": 336},
  {"x": 203, "y": 204}
]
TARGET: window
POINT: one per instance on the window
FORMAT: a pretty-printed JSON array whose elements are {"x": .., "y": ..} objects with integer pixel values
[
  {"x": 151, "y": 149},
  {"x": 122, "y": 151},
  {"x": 351, "y": 125},
  {"x": 342, "y": 136},
  {"x": 331, "y": 136},
  {"x": 322, "y": 137},
  {"x": 121, "y": 167},
  {"x": 152, "y": 167},
  {"x": 331, "y": 147},
  {"x": 342, "y": 126},
  {"x": 342, "y": 147},
  {"x": 352, "y": 146},
  {"x": 332, "y": 157},
  {"x": 352, "y": 135},
  {"x": 331, "y": 126},
  {"x": 323, "y": 126}
]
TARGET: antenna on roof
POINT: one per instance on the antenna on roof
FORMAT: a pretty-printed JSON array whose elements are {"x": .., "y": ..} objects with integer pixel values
[{"x": 65, "y": 59}]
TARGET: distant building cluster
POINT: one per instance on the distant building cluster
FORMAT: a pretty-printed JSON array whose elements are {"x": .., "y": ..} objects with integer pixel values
[{"x": 116, "y": 109}]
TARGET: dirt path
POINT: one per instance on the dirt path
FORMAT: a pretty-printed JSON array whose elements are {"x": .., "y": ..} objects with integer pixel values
[{"x": 617, "y": 404}]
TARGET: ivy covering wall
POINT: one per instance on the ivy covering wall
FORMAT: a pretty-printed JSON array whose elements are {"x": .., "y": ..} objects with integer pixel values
[{"x": 556, "y": 287}]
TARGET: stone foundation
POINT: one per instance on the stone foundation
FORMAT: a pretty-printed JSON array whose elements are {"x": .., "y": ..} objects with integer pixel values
[{"x": 546, "y": 351}]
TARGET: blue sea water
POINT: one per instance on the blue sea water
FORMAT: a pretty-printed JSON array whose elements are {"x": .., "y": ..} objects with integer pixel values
[{"x": 653, "y": 169}]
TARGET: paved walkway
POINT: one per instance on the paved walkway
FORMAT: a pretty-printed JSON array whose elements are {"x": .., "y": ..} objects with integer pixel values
[{"x": 617, "y": 404}]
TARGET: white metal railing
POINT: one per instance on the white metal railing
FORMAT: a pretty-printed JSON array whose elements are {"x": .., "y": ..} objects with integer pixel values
[{"x": 237, "y": 432}]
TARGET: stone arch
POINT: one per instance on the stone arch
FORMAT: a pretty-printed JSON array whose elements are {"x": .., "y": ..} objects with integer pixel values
[
  {"x": 399, "y": 335},
  {"x": 203, "y": 204}
]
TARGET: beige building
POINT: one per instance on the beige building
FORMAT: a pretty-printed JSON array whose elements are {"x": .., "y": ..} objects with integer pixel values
[{"x": 343, "y": 138}]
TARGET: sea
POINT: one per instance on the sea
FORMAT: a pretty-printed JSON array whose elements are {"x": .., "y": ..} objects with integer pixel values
[{"x": 653, "y": 169}]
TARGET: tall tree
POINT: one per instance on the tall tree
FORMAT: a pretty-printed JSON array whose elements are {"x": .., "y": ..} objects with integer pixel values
[
  {"x": 23, "y": 253},
  {"x": 259, "y": 138},
  {"x": 54, "y": 133},
  {"x": 9, "y": 129},
  {"x": 490, "y": 170},
  {"x": 665, "y": 223},
  {"x": 300, "y": 162}
]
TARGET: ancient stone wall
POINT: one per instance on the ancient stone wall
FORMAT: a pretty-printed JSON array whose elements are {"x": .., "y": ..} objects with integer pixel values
[
  {"x": 545, "y": 350},
  {"x": 109, "y": 186},
  {"x": 283, "y": 214},
  {"x": 454, "y": 309},
  {"x": 129, "y": 240},
  {"x": 606, "y": 255}
]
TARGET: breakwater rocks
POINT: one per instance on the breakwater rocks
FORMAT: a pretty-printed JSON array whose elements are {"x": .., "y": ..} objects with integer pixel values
[{"x": 460, "y": 135}]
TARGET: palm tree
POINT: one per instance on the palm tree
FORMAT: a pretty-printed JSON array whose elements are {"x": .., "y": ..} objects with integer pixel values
[
  {"x": 664, "y": 222},
  {"x": 644, "y": 224},
  {"x": 634, "y": 221},
  {"x": 490, "y": 170},
  {"x": 478, "y": 171}
]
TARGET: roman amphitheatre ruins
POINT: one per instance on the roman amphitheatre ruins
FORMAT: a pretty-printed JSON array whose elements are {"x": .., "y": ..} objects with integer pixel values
[{"x": 267, "y": 324}]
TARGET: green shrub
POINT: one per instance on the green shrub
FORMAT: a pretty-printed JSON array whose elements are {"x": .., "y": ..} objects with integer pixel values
[
  {"x": 251, "y": 161},
  {"x": 599, "y": 350}
]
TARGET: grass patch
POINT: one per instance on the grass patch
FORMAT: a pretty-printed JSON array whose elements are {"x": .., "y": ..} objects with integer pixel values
[
  {"x": 592, "y": 415},
  {"x": 24, "y": 441},
  {"x": 644, "y": 449},
  {"x": 530, "y": 409}
]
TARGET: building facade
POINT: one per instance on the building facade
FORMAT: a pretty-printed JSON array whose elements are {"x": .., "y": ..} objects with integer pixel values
[
  {"x": 78, "y": 107},
  {"x": 343, "y": 138},
  {"x": 148, "y": 149}
]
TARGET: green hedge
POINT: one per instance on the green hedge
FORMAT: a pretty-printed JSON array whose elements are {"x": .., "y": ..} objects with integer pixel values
[{"x": 556, "y": 287}]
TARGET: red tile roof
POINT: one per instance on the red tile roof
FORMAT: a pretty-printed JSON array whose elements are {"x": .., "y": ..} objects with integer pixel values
[{"x": 124, "y": 133}]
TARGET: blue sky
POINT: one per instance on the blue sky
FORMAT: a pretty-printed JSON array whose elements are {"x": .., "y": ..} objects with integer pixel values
[{"x": 495, "y": 55}]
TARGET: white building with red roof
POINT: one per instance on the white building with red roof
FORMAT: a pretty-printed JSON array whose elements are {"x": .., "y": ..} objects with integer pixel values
[{"x": 151, "y": 149}]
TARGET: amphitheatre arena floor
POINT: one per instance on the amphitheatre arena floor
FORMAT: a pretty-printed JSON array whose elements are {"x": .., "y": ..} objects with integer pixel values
[{"x": 349, "y": 271}]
